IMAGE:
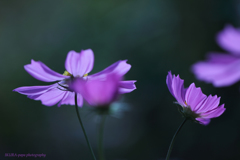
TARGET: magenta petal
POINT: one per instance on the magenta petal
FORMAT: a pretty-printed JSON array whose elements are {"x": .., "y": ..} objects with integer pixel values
[
  {"x": 211, "y": 102},
  {"x": 126, "y": 86},
  {"x": 194, "y": 96},
  {"x": 219, "y": 69},
  {"x": 86, "y": 61},
  {"x": 34, "y": 90},
  {"x": 204, "y": 121},
  {"x": 69, "y": 99},
  {"x": 178, "y": 89},
  {"x": 229, "y": 39},
  {"x": 98, "y": 92},
  {"x": 81, "y": 63},
  {"x": 120, "y": 67},
  {"x": 71, "y": 61},
  {"x": 202, "y": 107},
  {"x": 229, "y": 76},
  {"x": 215, "y": 112},
  {"x": 41, "y": 72},
  {"x": 51, "y": 97}
]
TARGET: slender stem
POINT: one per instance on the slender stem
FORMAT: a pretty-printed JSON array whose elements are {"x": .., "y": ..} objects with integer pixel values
[
  {"x": 100, "y": 140},
  {"x": 79, "y": 118},
  {"x": 173, "y": 139}
]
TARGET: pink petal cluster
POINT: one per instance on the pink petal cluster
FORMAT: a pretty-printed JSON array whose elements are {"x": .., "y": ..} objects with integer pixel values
[
  {"x": 222, "y": 69},
  {"x": 77, "y": 65},
  {"x": 101, "y": 91},
  {"x": 195, "y": 105}
]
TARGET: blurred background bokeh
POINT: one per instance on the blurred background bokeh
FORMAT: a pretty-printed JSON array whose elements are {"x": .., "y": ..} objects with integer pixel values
[{"x": 155, "y": 36}]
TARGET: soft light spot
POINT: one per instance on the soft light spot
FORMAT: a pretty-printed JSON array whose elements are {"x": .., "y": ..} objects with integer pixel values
[
  {"x": 85, "y": 75},
  {"x": 66, "y": 73}
]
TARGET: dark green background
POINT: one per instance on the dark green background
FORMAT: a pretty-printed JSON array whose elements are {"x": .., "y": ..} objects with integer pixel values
[{"x": 155, "y": 36}]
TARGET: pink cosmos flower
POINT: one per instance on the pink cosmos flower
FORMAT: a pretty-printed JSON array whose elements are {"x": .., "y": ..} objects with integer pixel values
[
  {"x": 77, "y": 65},
  {"x": 195, "y": 105},
  {"x": 222, "y": 69},
  {"x": 100, "y": 91}
]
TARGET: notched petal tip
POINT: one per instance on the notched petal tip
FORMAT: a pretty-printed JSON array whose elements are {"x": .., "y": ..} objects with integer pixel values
[
  {"x": 127, "y": 86},
  {"x": 176, "y": 87}
]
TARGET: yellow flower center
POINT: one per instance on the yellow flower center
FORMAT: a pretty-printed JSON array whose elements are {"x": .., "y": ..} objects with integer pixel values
[{"x": 66, "y": 73}]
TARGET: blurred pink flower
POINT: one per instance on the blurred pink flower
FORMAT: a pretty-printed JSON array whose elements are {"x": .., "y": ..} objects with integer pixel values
[
  {"x": 100, "y": 91},
  {"x": 77, "y": 65},
  {"x": 222, "y": 69},
  {"x": 195, "y": 105}
]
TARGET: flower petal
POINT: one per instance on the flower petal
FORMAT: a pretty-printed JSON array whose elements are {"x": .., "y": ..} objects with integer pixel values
[
  {"x": 229, "y": 39},
  {"x": 41, "y": 72},
  {"x": 210, "y": 103},
  {"x": 126, "y": 86},
  {"x": 98, "y": 92},
  {"x": 51, "y": 97},
  {"x": 71, "y": 61},
  {"x": 81, "y": 63},
  {"x": 221, "y": 70},
  {"x": 194, "y": 96},
  {"x": 178, "y": 90},
  {"x": 34, "y": 90},
  {"x": 69, "y": 99},
  {"x": 204, "y": 121},
  {"x": 215, "y": 112},
  {"x": 120, "y": 67}
]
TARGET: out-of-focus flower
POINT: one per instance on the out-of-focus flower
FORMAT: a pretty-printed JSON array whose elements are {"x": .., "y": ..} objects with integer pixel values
[
  {"x": 222, "y": 69},
  {"x": 100, "y": 92},
  {"x": 77, "y": 65},
  {"x": 195, "y": 105}
]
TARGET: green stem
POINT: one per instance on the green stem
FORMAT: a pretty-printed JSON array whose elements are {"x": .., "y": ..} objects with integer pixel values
[
  {"x": 100, "y": 140},
  {"x": 79, "y": 118},
  {"x": 173, "y": 139}
]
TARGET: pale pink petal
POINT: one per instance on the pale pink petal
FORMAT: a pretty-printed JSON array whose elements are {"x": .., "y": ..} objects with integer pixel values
[
  {"x": 215, "y": 112},
  {"x": 85, "y": 64},
  {"x": 126, "y": 86},
  {"x": 230, "y": 75},
  {"x": 120, "y": 67},
  {"x": 203, "y": 121},
  {"x": 34, "y": 90},
  {"x": 51, "y": 97},
  {"x": 98, "y": 92},
  {"x": 229, "y": 39},
  {"x": 69, "y": 99},
  {"x": 71, "y": 61},
  {"x": 194, "y": 96},
  {"x": 210, "y": 103},
  {"x": 178, "y": 89},
  {"x": 41, "y": 72},
  {"x": 220, "y": 70},
  {"x": 81, "y": 63}
]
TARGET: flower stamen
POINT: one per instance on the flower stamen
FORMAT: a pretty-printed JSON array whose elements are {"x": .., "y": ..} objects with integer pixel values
[{"x": 66, "y": 73}]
